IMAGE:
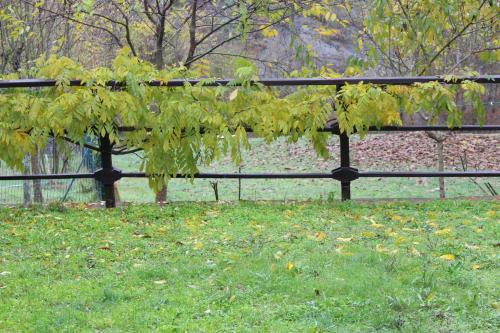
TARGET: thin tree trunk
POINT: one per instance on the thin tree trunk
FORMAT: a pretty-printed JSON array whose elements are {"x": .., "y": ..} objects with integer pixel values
[
  {"x": 55, "y": 158},
  {"x": 442, "y": 191},
  {"x": 161, "y": 195},
  {"x": 37, "y": 184},
  {"x": 439, "y": 139},
  {"x": 26, "y": 183}
]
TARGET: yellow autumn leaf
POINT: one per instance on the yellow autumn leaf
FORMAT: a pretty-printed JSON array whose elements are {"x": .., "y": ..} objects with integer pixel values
[
  {"x": 414, "y": 252},
  {"x": 430, "y": 296},
  {"x": 432, "y": 224},
  {"x": 368, "y": 234},
  {"x": 443, "y": 232},
  {"x": 400, "y": 240},
  {"x": 396, "y": 218},
  {"x": 340, "y": 250},
  {"x": 376, "y": 225},
  {"x": 278, "y": 255},
  {"x": 495, "y": 305},
  {"x": 327, "y": 32},
  {"x": 391, "y": 233},
  {"x": 159, "y": 282},
  {"x": 290, "y": 266},
  {"x": 476, "y": 266},
  {"x": 268, "y": 32},
  {"x": 491, "y": 213},
  {"x": 448, "y": 257},
  {"x": 320, "y": 235},
  {"x": 233, "y": 94}
]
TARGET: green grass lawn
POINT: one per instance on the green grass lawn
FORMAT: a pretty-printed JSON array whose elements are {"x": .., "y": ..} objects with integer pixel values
[{"x": 252, "y": 267}]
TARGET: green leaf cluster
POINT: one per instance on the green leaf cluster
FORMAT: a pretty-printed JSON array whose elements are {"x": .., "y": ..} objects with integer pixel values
[{"x": 181, "y": 128}]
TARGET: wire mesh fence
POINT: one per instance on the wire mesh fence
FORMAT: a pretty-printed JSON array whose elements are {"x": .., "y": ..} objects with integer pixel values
[{"x": 56, "y": 158}]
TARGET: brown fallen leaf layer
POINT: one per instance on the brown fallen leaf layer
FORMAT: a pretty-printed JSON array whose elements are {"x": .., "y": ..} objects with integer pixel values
[{"x": 417, "y": 151}]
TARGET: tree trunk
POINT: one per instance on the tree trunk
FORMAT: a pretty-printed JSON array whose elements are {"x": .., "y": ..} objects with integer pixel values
[
  {"x": 37, "y": 184},
  {"x": 439, "y": 139},
  {"x": 26, "y": 183},
  {"x": 55, "y": 157},
  {"x": 161, "y": 196},
  {"x": 442, "y": 192}
]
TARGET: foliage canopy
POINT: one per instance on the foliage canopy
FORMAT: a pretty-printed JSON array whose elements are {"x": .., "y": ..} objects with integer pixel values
[{"x": 181, "y": 128}]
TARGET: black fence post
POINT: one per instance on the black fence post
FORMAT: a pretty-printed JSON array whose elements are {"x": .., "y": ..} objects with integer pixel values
[
  {"x": 105, "y": 175},
  {"x": 345, "y": 185}
]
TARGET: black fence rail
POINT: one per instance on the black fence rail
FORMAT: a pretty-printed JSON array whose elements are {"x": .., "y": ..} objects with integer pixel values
[{"x": 345, "y": 173}]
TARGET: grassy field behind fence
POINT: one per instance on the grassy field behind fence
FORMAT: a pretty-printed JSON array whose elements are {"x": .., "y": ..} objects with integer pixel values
[{"x": 252, "y": 267}]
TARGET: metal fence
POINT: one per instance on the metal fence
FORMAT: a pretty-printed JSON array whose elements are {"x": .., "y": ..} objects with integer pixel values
[{"x": 345, "y": 173}]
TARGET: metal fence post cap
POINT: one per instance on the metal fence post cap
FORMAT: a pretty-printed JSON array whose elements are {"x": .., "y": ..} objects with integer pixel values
[
  {"x": 345, "y": 174},
  {"x": 108, "y": 177}
]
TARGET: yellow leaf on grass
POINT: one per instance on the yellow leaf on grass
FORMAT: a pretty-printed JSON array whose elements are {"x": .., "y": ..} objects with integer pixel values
[
  {"x": 400, "y": 240},
  {"x": 471, "y": 247},
  {"x": 476, "y": 266},
  {"x": 368, "y": 234},
  {"x": 491, "y": 213},
  {"x": 290, "y": 266},
  {"x": 376, "y": 225},
  {"x": 448, "y": 257},
  {"x": 396, "y": 218},
  {"x": 414, "y": 252},
  {"x": 320, "y": 235},
  {"x": 278, "y": 255},
  {"x": 432, "y": 224},
  {"x": 442, "y": 232},
  {"x": 340, "y": 250},
  {"x": 160, "y": 282}
]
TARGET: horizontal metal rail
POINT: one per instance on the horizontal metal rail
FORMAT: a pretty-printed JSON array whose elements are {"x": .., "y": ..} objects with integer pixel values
[
  {"x": 335, "y": 129},
  {"x": 303, "y": 175},
  {"x": 37, "y": 83},
  {"x": 49, "y": 176}
]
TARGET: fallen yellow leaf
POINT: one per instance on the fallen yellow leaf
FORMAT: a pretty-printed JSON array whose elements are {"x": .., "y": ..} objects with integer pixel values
[
  {"x": 448, "y": 257},
  {"x": 320, "y": 235},
  {"x": 443, "y": 232},
  {"x": 400, "y": 240},
  {"x": 278, "y": 255},
  {"x": 414, "y": 252},
  {"x": 290, "y": 266},
  {"x": 198, "y": 246},
  {"x": 160, "y": 282},
  {"x": 476, "y": 266},
  {"x": 368, "y": 234}
]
